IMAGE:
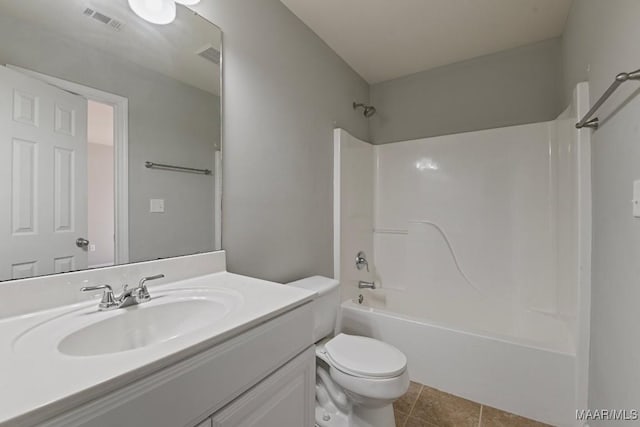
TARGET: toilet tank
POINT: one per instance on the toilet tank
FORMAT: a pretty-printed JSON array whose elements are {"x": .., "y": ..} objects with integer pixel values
[{"x": 325, "y": 306}]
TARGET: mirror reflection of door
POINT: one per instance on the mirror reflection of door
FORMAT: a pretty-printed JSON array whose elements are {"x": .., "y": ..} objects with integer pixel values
[{"x": 43, "y": 182}]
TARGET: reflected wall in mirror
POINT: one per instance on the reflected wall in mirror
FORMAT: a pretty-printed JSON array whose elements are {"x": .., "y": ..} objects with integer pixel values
[{"x": 90, "y": 92}]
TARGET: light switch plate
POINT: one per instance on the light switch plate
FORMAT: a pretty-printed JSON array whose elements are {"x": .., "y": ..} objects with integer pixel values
[
  {"x": 636, "y": 199},
  {"x": 156, "y": 205}
]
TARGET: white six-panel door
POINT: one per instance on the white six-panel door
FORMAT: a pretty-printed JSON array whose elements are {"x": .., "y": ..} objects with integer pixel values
[{"x": 43, "y": 177}]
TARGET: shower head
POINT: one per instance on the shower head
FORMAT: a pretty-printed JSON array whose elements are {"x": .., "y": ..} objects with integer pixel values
[{"x": 369, "y": 110}]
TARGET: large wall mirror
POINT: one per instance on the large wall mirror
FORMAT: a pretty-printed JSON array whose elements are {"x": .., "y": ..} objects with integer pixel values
[{"x": 109, "y": 136}]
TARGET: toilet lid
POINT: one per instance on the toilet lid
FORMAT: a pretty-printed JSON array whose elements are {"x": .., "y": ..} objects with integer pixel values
[{"x": 365, "y": 357}]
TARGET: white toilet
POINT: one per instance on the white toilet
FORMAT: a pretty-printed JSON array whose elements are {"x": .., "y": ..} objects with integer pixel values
[{"x": 358, "y": 378}]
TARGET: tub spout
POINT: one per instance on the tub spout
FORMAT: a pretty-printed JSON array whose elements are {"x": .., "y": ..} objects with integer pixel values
[{"x": 366, "y": 285}]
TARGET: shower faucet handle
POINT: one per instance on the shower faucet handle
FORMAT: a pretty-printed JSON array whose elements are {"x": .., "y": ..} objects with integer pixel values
[{"x": 361, "y": 261}]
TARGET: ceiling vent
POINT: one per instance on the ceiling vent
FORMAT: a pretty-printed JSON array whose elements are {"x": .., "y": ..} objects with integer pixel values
[
  {"x": 210, "y": 53},
  {"x": 104, "y": 19}
]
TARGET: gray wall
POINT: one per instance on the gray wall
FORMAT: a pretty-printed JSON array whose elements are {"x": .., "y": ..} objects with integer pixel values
[
  {"x": 517, "y": 86},
  {"x": 284, "y": 92},
  {"x": 169, "y": 122},
  {"x": 603, "y": 38}
]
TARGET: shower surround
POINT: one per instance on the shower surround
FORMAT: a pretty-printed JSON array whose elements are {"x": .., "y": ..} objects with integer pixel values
[{"x": 479, "y": 244}]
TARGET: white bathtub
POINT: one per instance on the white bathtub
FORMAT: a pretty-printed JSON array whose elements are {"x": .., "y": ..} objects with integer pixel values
[{"x": 496, "y": 357}]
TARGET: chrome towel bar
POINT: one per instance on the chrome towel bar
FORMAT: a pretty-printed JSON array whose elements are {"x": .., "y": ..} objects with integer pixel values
[
  {"x": 620, "y": 78},
  {"x": 152, "y": 165}
]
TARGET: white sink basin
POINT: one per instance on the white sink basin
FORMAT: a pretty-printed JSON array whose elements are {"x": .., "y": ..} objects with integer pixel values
[
  {"x": 88, "y": 332},
  {"x": 140, "y": 326}
]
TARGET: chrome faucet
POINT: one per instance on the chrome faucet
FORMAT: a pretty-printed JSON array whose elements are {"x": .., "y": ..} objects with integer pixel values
[
  {"x": 366, "y": 285},
  {"x": 129, "y": 297},
  {"x": 361, "y": 261}
]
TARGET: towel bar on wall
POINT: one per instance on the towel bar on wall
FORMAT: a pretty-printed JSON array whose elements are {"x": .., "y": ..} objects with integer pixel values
[
  {"x": 152, "y": 165},
  {"x": 620, "y": 78}
]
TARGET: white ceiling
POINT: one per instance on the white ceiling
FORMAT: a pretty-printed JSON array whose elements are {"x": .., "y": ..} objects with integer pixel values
[
  {"x": 386, "y": 39},
  {"x": 168, "y": 49}
]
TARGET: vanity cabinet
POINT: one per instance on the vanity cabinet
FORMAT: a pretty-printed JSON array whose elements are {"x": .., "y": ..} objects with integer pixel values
[
  {"x": 286, "y": 398},
  {"x": 262, "y": 377}
]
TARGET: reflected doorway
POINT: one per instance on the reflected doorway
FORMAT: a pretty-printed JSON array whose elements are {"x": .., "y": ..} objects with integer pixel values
[
  {"x": 101, "y": 166},
  {"x": 107, "y": 205}
]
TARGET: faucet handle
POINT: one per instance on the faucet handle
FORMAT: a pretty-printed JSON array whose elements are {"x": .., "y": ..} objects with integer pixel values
[
  {"x": 361, "y": 261},
  {"x": 143, "y": 294},
  {"x": 146, "y": 279},
  {"x": 108, "y": 300}
]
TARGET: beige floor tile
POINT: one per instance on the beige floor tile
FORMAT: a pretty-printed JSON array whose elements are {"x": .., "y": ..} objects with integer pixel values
[
  {"x": 405, "y": 403},
  {"x": 445, "y": 410},
  {"x": 492, "y": 417},
  {"x": 401, "y": 417},
  {"x": 416, "y": 422}
]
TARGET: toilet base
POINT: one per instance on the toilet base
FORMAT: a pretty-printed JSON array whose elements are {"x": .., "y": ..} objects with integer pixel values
[
  {"x": 358, "y": 417},
  {"x": 373, "y": 417},
  {"x": 328, "y": 418},
  {"x": 336, "y": 407}
]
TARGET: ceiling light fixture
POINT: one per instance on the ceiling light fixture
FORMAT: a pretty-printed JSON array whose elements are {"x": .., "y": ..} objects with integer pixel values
[
  {"x": 188, "y": 2},
  {"x": 159, "y": 12}
]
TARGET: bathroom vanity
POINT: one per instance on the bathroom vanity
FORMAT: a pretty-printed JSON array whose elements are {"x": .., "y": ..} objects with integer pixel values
[{"x": 210, "y": 348}]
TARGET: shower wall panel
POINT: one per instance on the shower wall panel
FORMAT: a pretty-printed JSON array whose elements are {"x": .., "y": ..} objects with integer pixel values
[{"x": 476, "y": 215}]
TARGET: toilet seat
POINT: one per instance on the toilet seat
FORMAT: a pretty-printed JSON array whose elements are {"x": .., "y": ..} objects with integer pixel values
[{"x": 365, "y": 357}]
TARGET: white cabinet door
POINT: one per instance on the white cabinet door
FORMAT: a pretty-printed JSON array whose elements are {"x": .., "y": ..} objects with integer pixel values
[
  {"x": 284, "y": 399},
  {"x": 43, "y": 177}
]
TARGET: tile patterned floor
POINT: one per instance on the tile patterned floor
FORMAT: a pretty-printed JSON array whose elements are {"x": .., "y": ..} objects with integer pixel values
[{"x": 424, "y": 406}]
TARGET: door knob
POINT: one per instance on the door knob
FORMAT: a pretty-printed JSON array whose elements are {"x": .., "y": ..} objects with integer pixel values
[{"x": 82, "y": 243}]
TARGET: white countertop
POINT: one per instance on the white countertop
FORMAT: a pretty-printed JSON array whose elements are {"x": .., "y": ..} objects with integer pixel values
[{"x": 37, "y": 385}]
